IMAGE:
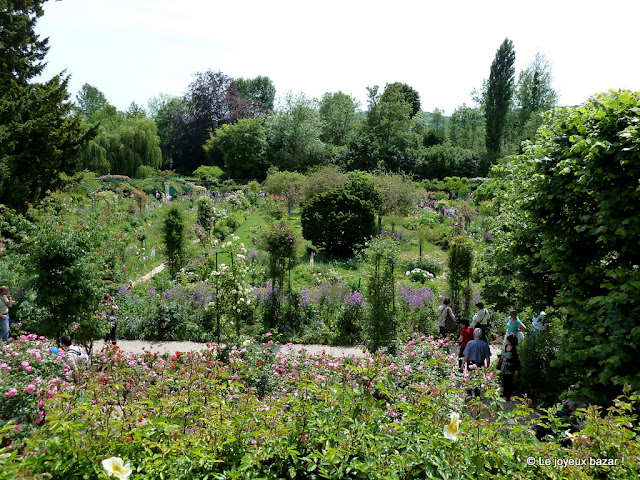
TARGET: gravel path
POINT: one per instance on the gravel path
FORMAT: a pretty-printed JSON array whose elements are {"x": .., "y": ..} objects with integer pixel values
[{"x": 139, "y": 346}]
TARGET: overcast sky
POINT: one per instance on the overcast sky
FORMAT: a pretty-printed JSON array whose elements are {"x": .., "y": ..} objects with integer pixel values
[{"x": 132, "y": 50}]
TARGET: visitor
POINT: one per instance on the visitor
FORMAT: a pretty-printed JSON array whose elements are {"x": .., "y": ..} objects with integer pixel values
[
  {"x": 76, "y": 355},
  {"x": 445, "y": 318},
  {"x": 514, "y": 325},
  {"x": 6, "y": 302},
  {"x": 477, "y": 352},
  {"x": 466, "y": 335},
  {"x": 481, "y": 320},
  {"x": 110, "y": 315},
  {"x": 508, "y": 363},
  {"x": 539, "y": 323}
]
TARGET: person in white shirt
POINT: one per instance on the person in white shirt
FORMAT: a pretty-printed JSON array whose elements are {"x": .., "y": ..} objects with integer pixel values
[{"x": 481, "y": 320}]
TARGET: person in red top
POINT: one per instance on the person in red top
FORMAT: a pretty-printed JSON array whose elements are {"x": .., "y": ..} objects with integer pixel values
[{"x": 466, "y": 335}]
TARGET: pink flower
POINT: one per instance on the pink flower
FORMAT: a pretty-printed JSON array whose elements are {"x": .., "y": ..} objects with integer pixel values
[
  {"x": 11, "y": 393},
  {"x": 268, "y": 334},
  {"x": 16, "y": 427},
  {"x": 31, "y": 388}
]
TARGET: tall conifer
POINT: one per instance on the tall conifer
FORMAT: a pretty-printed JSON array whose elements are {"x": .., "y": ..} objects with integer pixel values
[
  {"x": 38, "y": 136},
  {"x": 499, "y": 96}
]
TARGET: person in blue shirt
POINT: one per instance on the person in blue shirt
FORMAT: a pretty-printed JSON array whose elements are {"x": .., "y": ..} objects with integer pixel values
[
  {"x": 514, "y": 326},
  {"x": 477, "y": 352}
]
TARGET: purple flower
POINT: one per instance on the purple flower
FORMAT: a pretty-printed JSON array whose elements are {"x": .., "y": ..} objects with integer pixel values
[{"x": 152, "y": 292}]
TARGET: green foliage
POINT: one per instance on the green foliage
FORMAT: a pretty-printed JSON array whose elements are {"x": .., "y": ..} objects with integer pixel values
[
  {"x": 460, "y": 268},
  {"x": 38, "y": 135},
  {"x": 466, "y": 129},
  {"x": 293, "y": 134},
  {"x": 340, "y": 221},
  {"x": 208, "y": 173},
  {"x": 499, "y": 96},
  {"x": 66, "y": 282},
  {"x": 401, "y": 92},
  {"x": 442, "y": 161},
  {"x": 174, "y": 241},
  {"x": 577, "y": 188},
  {"x": 90, "y": 102},
  {"x": 399, "y": 193},
  {"x": 386, "y": 139},
  {"x": 259, "y": 91},
  {"x": 322, "y": 180},
  {"x": 243, "y": 413},
  {"x": 339, "y": 118},
  {"x": 278, "y": 183},
  {"x": 241, "y": 145},
  {"x": 382, "y": 322},
  {"x": 540, "y": 377},
  {"x": 122, "y": 146}
]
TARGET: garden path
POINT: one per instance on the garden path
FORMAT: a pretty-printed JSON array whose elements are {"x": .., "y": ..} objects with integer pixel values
[
  {"x": 147, "y": 276},
  {"x": 141, "y": 346}
]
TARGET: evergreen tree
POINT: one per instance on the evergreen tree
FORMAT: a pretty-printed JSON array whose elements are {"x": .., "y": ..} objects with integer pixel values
[
  {"x": 39, "y": 137},
  {"x": 498, "y": 97}
]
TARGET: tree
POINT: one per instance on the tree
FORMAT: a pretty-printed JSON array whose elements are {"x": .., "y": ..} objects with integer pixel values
[
  {"x": 394, "y": 92},
  {"x": 322, "y": 180},
  {"x": 499, "y": 96},
  {"x": 577, "y": 187},
  {"x": 534, "y": 94},
  {"x": 289, "y": 185},
  {"x": 122, "y": 146},
  {"x": 90, "y": 102},
  {"x": 340, "y": 221},
  {"x": 260, "y": 92},
  {"x": 66, "y": 282},
  {"x": 39, "y": 136},
  {"x": 441, "y": 161},
  {"x": 466, "y": 129},
  {"x": 386, "y": 139},
  {"x": 339, "y": 117},
  {"x": 242, "y": 146},
  {"x": 185, "y": 123},
  {"x": 398, "y": 193},
  {"x": 174, "y": 240},
  {"x": 293, "y": 134}
]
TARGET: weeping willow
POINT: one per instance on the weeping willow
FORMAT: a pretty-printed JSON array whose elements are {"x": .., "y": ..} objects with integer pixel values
[{"x": 122, "y": 148}]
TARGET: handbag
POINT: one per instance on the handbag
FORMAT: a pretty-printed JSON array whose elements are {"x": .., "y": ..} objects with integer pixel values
[{"x": 499, "y": 366}]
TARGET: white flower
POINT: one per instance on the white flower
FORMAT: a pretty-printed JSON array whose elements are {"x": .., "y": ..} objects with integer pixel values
[
  {"x": 451, "y": 431},
  {"x": 115, "y": 467}
]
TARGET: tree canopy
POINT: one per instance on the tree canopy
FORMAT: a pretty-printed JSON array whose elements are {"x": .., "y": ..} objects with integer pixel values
[
  {"x": 39, "y": 136},
  {"x": 570, "y": 233}
]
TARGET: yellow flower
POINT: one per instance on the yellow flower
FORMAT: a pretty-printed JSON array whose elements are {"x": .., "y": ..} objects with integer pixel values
[
  {"x": 451, "y": 431},
  {"x": 115, "y": 467}
]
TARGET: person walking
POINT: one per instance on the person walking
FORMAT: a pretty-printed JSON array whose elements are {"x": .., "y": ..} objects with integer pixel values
[
  {"x": 110, "y": 314},
  {"x": 481, "y": 320},
  {"x": 466, "y": 335},
  {"x": 445, "y": 318},
  {"x": 477, "y": 352},
  {"x": 509, "y": 363},
  {"x": 6, "y": 302}
]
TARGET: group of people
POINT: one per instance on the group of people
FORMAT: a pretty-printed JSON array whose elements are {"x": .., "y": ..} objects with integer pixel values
[{"x": 474, "y": 344}]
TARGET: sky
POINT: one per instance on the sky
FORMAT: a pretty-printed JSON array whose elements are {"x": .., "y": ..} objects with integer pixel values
[{"x": 133, "y": 50}]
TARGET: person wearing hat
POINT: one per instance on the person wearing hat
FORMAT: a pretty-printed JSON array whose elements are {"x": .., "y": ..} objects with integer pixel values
[{"x": 539, "y": 323}]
